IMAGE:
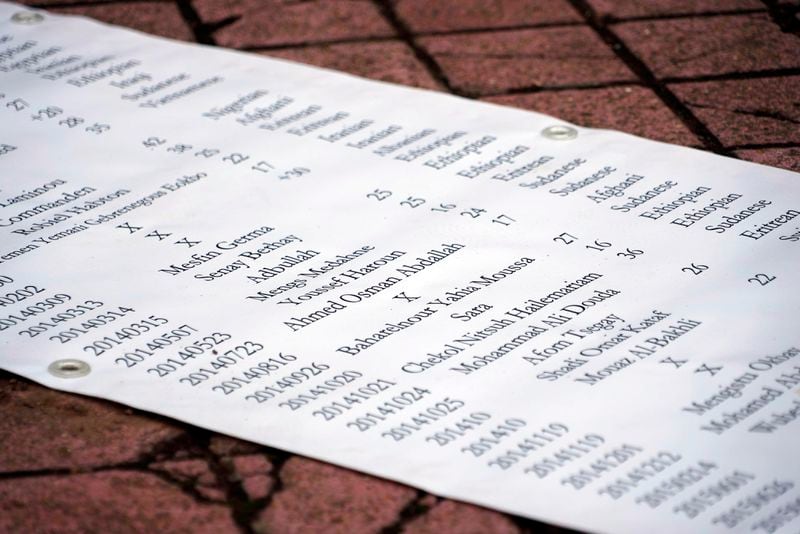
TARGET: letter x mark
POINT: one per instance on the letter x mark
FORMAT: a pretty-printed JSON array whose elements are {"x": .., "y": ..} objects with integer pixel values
[
  {"x": 706, "y": 369},
  {"x": 159, "y": 235},
  {"x": 129, "y": 228},
  {"x": 405, "y": 297},
  {"x": 185, "y": 241},
  {"x": 673, "y": 361}
]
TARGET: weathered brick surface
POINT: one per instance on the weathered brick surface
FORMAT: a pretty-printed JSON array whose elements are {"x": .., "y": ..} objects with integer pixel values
[
  {"x": 389, "y": 61},
  {"x": 317, "y": 497},
  {"x": 762, "y": 110},
  {"x": 635, "y": 110},
  {"x": 785, "y": 158},
  {"x": 193, "y": 473},
  {"x": 156, "y": 18},
  {"x": 450, "y": 516},
  {"x": 52, "y": 3},
  {"x": 283, "y": 22},
  {"x": 449, "y": 15},
  {"x": 711, "y": 45},
  {"x": 493, "y": 62},
  {"x": 253, "y": 472},
  {"x": 113, "y": 501},
  {"x": 44, "y": 429},
  {"x": 619, "y": 9},
  {"x": 227, "y": 446}
]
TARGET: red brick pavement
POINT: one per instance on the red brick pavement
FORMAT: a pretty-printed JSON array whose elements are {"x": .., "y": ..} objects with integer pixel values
[{"x": 720, "y": 75}]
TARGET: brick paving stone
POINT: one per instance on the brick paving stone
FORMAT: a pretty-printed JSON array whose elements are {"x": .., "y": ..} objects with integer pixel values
[
  {"x": 635, "y": 110},
  {"x": 785, "y": 158},
  {"x": 112, "y": 501},
  {"x": 227, "y": 446},
  {"x": 253, "y": 472},
  {"x": 283, "y": 22},
  {"x": 752, "y": 111},
  {"x": 712, "y": 45},
  {"x": 196, "y": 473},
  {"x": 494, "y": 62},
  {"x": 619, "y": 9},
  {"x": 318, "y": 497},
  {"x": 151, "y": 17},
  {"x": 71, "y": 2},
  {"x": 46, "y": 429},
  {"x": 451, "y": 516},
  {"x": 390, "y": 61},
  {"x": 449, "y": 15}
]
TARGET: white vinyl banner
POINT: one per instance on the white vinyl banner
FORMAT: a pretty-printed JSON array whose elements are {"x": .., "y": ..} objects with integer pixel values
[{"x": 573, "y": 325}]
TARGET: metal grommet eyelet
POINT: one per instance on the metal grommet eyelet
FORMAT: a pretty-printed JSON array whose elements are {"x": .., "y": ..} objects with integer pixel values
[
  {"x": 69, "y": 368},
  {"x": 560, "y": 132},
  {"x": 27, "y": 17}
]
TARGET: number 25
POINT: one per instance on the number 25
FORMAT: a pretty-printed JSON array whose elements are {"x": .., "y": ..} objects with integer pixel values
[{"x": 695, "y": 268}]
